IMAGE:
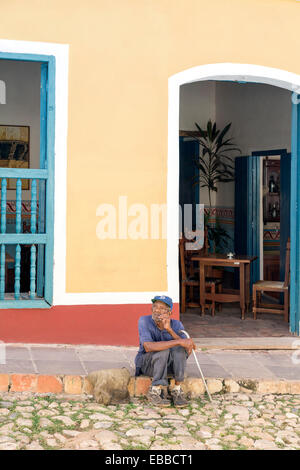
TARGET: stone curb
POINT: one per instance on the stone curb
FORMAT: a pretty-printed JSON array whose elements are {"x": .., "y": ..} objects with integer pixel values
[{"x": 138, "y": 386}]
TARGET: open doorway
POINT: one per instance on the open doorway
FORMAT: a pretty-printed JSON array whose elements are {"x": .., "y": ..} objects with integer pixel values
[{"x": 261, "y": 124}]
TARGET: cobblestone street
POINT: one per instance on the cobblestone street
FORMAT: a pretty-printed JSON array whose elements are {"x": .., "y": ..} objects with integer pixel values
[{"x": 243, "y": 421}]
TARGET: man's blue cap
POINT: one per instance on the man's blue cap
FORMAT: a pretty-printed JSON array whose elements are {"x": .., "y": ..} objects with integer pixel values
[{"x": 165, "y": 299}]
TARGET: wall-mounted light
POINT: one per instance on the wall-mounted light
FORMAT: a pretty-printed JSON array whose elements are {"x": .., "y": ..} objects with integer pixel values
[{"x": 2, "y": 92}]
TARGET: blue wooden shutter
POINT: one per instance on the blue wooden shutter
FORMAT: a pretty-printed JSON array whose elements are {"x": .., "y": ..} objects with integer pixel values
[
  {"x": 295, "y": 222},
  {"x": 188, "y": 194},
  {"x": 253, "y": 211},
  {"x": 285, "y": 207},
  {"x": 42, "y": 192},
  {"x": 246, "y": 226}
]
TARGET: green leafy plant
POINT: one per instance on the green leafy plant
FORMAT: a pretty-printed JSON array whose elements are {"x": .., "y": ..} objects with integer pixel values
[
  {"x": 214, "y": 164},
  {"x": 219, "y": 237}
]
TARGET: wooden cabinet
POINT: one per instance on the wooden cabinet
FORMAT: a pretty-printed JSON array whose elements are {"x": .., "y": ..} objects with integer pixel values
[{"x": 271, "y": 218}]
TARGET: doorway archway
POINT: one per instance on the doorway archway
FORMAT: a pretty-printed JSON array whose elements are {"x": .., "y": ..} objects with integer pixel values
[{"x": 240, "y": 73}]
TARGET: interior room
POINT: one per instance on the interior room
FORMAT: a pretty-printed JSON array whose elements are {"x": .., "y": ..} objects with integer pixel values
[
  {"x": 19, "y": 148},
  {"x": 248, "y": 214}
]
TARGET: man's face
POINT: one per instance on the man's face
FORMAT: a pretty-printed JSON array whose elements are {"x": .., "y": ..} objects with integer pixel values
[{"x": 160, "y": 311}]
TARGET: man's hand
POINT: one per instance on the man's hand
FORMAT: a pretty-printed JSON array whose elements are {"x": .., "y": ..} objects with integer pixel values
[
  {"x": 166, "y": 323},
  {"x": 188, "y": 344},
  {"x": 163, "y": 321}
]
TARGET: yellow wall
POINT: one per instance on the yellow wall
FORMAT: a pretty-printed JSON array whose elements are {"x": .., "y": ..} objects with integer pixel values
[{"x": 122, "y": 53}]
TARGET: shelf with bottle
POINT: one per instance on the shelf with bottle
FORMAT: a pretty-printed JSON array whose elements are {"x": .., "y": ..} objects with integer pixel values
[
  {"x": 274, "y": 212},
  {"x": 271, "y": 190},
  {"x": 274, "y": 186}
]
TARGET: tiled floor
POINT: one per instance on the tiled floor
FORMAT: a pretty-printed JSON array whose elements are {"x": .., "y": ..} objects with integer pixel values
[{"x": 228, "y": 324}]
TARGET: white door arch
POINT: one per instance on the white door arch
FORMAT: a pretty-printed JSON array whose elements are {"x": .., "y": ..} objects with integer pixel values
[{"x": 241, "y": 73}]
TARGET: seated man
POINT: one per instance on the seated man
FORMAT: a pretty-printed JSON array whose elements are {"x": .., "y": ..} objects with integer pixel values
[{"x": 163, "y": 350}]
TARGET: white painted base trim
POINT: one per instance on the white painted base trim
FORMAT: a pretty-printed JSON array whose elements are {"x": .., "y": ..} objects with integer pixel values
[{"x": 111, "y": 298}]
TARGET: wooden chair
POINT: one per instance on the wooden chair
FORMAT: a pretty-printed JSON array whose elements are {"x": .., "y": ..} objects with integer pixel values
[
  {"x": 189, "y": 264},
  {"x": 188, "y": 283},
  {"x": 211, "y": 271},
  {"x": 274, "y": 286}
]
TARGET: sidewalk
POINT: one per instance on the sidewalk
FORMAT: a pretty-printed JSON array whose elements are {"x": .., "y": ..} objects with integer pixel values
[
  {"x": 249, "y": 343},
  {"x": 273, "y": 364},
  {"x": 255, "y": 392}
]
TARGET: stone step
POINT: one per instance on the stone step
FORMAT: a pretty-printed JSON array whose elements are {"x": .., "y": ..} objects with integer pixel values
[{"x": 138, "y": 386}]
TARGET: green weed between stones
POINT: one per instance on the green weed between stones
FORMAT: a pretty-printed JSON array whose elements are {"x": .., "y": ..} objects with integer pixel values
[
  {"x": 134, "y": 447},
  {"x": 128, "y": 407},
  {"x": 46, "y": 446},
  {"x": 240, "y": 447},
  {"x": 35, "y": 422}
]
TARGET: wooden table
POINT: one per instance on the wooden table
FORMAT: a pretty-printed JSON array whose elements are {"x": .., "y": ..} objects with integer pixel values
[{"x": 242, "y": 262}]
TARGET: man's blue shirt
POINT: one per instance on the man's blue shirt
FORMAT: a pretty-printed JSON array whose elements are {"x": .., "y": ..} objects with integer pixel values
[{"x": 148, "y": 332}]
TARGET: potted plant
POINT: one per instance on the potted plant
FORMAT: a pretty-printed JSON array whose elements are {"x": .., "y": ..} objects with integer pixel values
[
  {"x": 214, "y": 166},
  {"x": 219, "y": 238}
]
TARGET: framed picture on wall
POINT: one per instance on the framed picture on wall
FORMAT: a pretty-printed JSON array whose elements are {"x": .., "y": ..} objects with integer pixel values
[{"x": 14, "y": 150}]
